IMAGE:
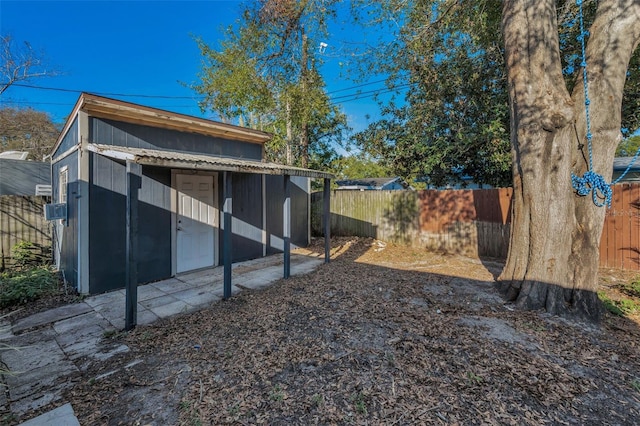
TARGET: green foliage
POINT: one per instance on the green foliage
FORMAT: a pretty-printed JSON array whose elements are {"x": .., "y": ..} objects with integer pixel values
[
  {"x": 631, "y": 289},
  {"x": 25, "y": 129},
  {"x": 264, "y": 75},
  {"x": 628, "y": 147},
  {"x": 359, "y": 166},
  {"x": 359, "y": 403},
  {"x": 455, "y": 121},
  {"x": 622, "y": 307},
  {"x": 26, "y": 254},
  {"x": 20, "y": 287},
  {"x": 447, "y": 56},
  {"x": 276, "y": 394}
]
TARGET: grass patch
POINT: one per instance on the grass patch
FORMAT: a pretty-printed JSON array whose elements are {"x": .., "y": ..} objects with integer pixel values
[
  {"x": 276, "y": 394},
  {"x": 359, "y": 403},
  {"x": 631, "y": 289},
  {"x": 622, "y": 307},
  {"x": 20, "y": 287}
]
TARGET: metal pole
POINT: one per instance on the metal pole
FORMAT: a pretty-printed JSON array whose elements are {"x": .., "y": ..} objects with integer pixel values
[
  {"x": 226, "y": 233},
  {"x": 326, "y": 218},
  {"x": 286, "y": 225},
  {"x": 134, "y": 183}
]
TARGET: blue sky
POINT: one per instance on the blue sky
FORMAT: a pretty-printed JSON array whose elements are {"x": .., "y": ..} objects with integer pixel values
[{"x": 132, "y": 47}]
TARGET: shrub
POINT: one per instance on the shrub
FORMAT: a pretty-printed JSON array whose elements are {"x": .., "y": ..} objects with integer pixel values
[
  {"x": 26, "y": 254},
  {"x": 20, "y": 287}
]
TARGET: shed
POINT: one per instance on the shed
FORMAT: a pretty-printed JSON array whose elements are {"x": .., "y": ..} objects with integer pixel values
[{"x": 151, "y": 194}]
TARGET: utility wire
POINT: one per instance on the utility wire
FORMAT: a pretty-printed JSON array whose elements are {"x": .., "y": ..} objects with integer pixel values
[
  {"x": 58, "y": 89},
  {"x": 334, "y": 101}
]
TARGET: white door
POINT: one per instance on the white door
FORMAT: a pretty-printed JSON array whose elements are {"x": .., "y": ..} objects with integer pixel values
[{"x": 196, "y": 223}]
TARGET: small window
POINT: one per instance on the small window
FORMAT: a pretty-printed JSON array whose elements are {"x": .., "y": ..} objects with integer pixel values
[{"x": 62, "y": 185}]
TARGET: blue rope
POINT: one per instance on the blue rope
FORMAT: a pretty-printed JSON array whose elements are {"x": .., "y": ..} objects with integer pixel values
[
  {"x": 594, "y": 183},
  {"x": 591, "y": 181}
]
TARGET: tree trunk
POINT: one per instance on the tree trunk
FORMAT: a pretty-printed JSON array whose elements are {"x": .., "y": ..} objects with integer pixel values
[{"x": 554, "y": 249}]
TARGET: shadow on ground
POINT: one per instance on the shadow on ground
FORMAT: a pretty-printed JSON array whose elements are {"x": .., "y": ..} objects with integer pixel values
[{"x": 381, "y": 335}]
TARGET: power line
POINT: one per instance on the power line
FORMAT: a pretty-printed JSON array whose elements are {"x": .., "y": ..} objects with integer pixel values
[
  {"x": 336, "y": 100},
  {"x": 357, "y": 86},
  {"x": 369, "y": 93},
  {"x": 59, "y": 89},
  {"x": 70, "y": 104}
]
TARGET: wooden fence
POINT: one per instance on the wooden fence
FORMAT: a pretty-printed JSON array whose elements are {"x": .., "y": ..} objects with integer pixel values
[
  {"x": 22, "y": 219},
  {"x": 469, "y": 222}
]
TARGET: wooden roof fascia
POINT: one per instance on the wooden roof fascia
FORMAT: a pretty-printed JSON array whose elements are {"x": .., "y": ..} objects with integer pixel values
[{"x": 122, "y": 111}]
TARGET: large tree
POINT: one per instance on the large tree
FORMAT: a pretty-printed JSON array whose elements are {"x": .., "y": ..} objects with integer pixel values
[
  {"x": 20, "y": 63},
  {"x": 27, "y": 130},
  {"x": 264, "y": 74},
  {"x": 555, "y": 233},
  {"x": 453, "y": 123}
]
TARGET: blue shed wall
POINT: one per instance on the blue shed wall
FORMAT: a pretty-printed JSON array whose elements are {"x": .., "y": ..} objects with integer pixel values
[
  {"x": 118, "y": 133},
  {"x": 66, "y": 236},
  {"x": 247, "y": 217},
  {"x": 107, "y": 224},
  {"x": 69, "y": 140},
  {"x": 299, "y": 216}
]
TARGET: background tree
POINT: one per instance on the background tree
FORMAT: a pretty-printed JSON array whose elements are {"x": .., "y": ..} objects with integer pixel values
[
  {"x": 27, "y": 130},
  {"x": 553, "y": 256},
  {"x": 265, "y": 75},
  {"x": 20, "y": 63},
  {"x": 628, "y": 147},
  {"x": 454, "y": 121},
  {"x": 555, "y": 234},
  {"x": 359, "y": 166}
]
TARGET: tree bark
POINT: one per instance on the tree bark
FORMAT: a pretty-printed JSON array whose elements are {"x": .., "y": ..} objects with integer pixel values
[{"x": 554, "y": 249}]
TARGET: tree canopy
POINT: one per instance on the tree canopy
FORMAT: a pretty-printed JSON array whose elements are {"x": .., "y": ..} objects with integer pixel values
[
  {"x": 455, "y": 118},
  {"x": 27, "y": 130},
  {"x": 264, "y": 74},
  {"x": 20, "y": 63}
]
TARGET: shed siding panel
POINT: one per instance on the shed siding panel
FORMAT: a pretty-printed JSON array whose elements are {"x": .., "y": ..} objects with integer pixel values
[
  {"x": 108, "y": 233},
  {"x": 274, "y": 189},
  {"x": 247, "y": 216},
  {"x": 110, "y": 132},
  {"x": 66, "y": 236},
  {"x": 299, "y": 216},
  {"x": 69, "y": 140},
  {"x": 299, "y": 211}
]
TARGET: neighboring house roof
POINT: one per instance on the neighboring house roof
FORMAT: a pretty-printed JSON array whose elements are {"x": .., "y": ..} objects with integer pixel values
[
  {"x": 14, "y": 155},
  {"x": 162, "y": 158},
  {"x": 371, "y": 183},
  {"x": 22, "y": 177},
  {"x": 98, "y": 106},
  {"x": 620, "y": 164}
]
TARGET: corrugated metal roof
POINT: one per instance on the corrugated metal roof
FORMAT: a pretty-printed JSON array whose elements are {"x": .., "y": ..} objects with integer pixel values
[
  {"x": 191, "y": 161},
  {"x": 621, "y": 163}
]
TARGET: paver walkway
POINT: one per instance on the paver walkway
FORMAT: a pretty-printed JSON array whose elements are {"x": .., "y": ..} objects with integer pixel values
[{"x": 54, "y": 346}]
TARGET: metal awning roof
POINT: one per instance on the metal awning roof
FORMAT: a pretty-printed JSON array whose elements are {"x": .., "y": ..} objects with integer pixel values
[{"x": 184, "y": 160}]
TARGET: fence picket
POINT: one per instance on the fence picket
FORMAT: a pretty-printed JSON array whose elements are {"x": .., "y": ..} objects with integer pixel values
[{"x": 471, "y": 222}]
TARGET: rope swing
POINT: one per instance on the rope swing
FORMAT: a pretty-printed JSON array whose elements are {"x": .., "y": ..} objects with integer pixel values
[{"x": 592, "y": 182}]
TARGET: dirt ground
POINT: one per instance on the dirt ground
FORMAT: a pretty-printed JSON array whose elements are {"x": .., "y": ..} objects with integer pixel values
[{"x": 381, "y": 335}]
